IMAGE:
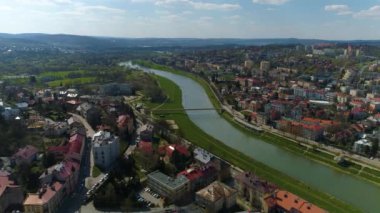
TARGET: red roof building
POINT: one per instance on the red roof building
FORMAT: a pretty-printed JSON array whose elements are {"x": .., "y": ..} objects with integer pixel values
[
  {"x": 284, "y": 201},
  {"x": 146, "y": 147}
]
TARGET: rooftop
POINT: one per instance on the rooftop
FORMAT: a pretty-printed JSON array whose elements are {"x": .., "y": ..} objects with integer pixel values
[
  {"x": 43, "y": 195},
  {"x": 291, "y": 203},
  {"x": 103, "y": 138},
  {"x": 216, "y": 191},
  {"x": 168, "y": 181}
]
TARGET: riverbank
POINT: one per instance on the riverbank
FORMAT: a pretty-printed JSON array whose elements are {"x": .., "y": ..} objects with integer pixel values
[
  {"x": 198, "y": 137},
  {"x": 357, "y": 169}
]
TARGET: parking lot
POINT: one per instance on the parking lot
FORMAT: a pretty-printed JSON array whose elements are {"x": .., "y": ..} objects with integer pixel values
[{"x": 149, "y": 196}]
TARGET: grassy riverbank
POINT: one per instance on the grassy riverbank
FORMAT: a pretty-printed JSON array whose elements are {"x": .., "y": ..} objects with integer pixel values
[
  {"x": 354, "y": 169},
  {"x": 194, "y": 134}
]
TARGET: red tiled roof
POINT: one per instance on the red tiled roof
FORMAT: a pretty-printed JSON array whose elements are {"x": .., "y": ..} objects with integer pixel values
[
  {"x": 4, "y": 183},
  {"x": 291, "y": 203},
  {"x": 75, "y": 143},
  {"x": 146, "y": 147},
  {"x": 192, "y": 174},
  {"x": 58, "y": 149},
  {"x": 180, "y": 148},
  {"x": 68, "y": 167},
  {"x": 122, "y": 120}
]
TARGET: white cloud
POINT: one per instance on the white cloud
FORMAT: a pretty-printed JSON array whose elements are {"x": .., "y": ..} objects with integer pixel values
[
  {"x": 213, "y": 6},
  {"x": 373, "y": 12},
  {"x": 5, "y": 8},
  {"x": 198, "y": 5},
  {"x": 272, "y": 2},
  {"x": 340, "y": 9}
]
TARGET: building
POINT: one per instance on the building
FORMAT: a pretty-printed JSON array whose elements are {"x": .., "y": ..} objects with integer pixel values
[
  {"x": 264, "y": 66},
  {"x": 56, "y": 128},
  {"x": 216, "y": 196},
  {"x": 252, "y": 189},
  {"x": 125, "y": 122},
  {"x": 170, "y": 188},
  {"x": 286, "y": 202},
  {"x": 66, "y": 172},
  {"x": 362, "y": 146},
  {"x": 46, "y": 200},
  {"x": 25, "y": 155},
  {"x": 200, "y": 177},
  {"x": 10, "y": 194},
  {"x": 105, "y": 147}
]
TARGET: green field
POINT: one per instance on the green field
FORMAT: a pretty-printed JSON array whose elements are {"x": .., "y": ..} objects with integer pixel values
[{"x": 198, "y": 137}]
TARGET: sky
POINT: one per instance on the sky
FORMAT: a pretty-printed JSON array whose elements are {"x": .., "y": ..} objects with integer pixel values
[{"x": 318, "y": 19}]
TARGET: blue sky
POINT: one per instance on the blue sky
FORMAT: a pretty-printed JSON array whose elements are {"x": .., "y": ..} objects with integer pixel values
[{"x": 325, "y": 19}]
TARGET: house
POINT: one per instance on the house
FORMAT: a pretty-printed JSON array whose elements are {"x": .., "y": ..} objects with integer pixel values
[
  {"x": 251, "y": 188},
  {"x": 200, "y": 176},
  {"x": 168, "y": 150},
  {"x": 202, "y": 156},
  {"x": 67, "y": 172},
  {"x": 284, "y": 201},
  {"x": 10, "y": 194},
  {"x": 25, "y": 155},
  {"x": 46, "y": 200},
  {"x": 216, "y": 196},
  {"x": 73, "y": 150},
  {"x": 173, "y": 189},
  {"x": 105, "y": 147},
  {"x": 125, "y": 122},
  {"x": 145, "y": 147},
  {"x": 84, "y": 108}
]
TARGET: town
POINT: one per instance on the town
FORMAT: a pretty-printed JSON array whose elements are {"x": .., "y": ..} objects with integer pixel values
[{"x": 86, "y": 141}]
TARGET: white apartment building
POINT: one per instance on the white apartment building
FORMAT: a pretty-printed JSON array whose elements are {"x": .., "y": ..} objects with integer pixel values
[{"x": 105, "y": 147}]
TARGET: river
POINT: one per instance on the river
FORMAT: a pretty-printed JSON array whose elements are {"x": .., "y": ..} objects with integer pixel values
[{"x": 357, "y": 192}]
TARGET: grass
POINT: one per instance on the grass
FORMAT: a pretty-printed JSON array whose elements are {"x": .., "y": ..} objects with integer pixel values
[
  {"x": 198, "y": 137},
  {"x": 96, "y": 171},
  {"x": 72, "y": 81},
  {"x": 62, "y": 74}
]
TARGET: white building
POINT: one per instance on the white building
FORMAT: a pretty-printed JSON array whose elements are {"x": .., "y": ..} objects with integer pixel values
[
  {"x": 361, "y": 145},
  {"x": 105, "y": 147}
]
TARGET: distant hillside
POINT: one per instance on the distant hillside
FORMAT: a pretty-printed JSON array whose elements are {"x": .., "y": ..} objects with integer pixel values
[{"x": 88, "y": 43}]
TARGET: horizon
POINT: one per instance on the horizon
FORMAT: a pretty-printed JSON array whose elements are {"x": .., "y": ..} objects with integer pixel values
[
  {"x": 195, "y": 38},
  {"x": 208, "y": 19}
]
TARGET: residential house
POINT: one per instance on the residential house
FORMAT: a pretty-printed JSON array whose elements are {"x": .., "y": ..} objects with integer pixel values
[
  {"x": 25, "y": 155},
  {"x": 125, "y": 122},
  {"x": 106, "y": 148},
  {"x": 173, "y": 189},
  {"x": 145, "y": 147},
  {"x": 202, "y": 156},
  {"x": 10, "y": 194},
  {"x": 46, "y": 200},
  {"x": 252, "y": 189},
  {"x": 216, "y": 196},
  {"x": 286, "y": 202},
  {"x": 66, "y": 172},
  {"x": 200, "y": 176}
]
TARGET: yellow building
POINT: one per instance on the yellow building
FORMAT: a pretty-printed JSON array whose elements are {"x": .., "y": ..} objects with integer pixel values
[{"x": 46, "y": 200}]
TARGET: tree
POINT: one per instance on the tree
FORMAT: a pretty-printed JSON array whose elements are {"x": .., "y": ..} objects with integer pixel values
[{"x": 375, "y": 148}]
